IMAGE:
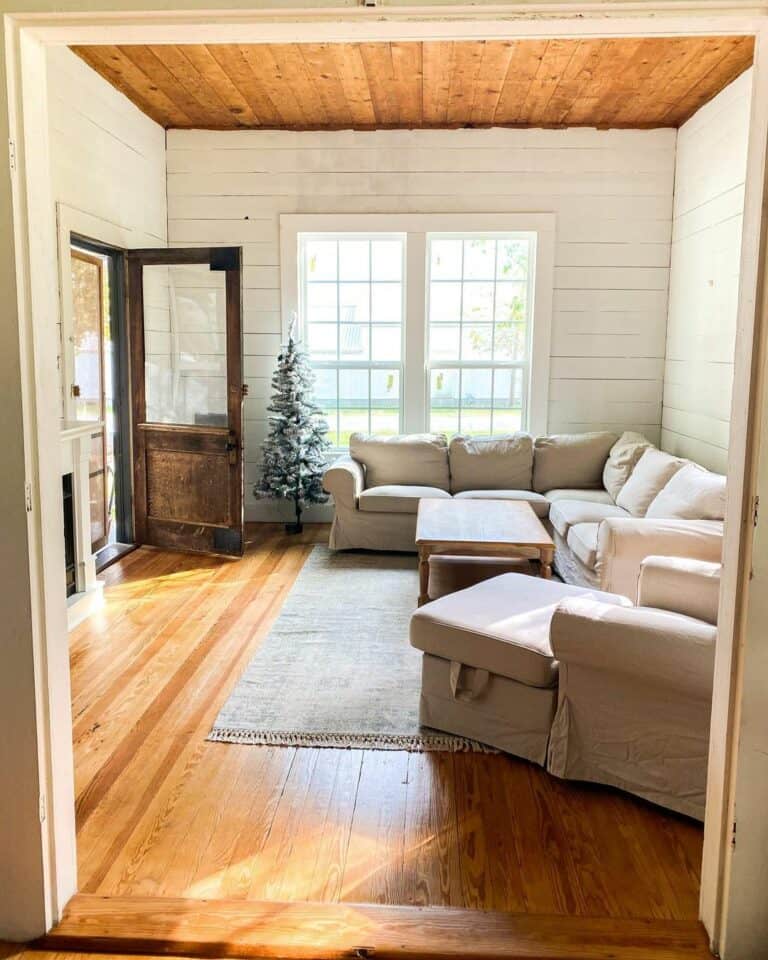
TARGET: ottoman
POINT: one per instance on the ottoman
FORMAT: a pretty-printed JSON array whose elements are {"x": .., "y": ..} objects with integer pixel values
[{"x": 488, "y": 672}]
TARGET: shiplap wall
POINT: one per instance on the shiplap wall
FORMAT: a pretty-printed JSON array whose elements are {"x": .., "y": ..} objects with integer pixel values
[
  {"x": 611, "y": 191},
  {"x": 107, "y": 157},
  {"x": 704, "y": 277}
]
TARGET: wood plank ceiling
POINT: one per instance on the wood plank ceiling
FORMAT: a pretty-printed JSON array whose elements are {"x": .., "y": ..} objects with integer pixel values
[{"x": 646, "y": 82}]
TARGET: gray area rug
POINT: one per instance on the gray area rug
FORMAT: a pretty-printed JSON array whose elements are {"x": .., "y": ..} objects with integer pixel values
[{"x": 337, "y": 669}]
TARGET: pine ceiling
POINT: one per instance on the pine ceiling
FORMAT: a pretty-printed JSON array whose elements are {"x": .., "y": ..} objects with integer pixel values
[{"x": 646, "y": 82}]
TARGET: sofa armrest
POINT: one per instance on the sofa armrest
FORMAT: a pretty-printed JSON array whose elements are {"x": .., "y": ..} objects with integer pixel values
[
  {"x": 345, "y": 481},
  {"x": 666, "y": 649},
  {"x": 624, "y": 542},
  {"x": 681, "y": 585}
]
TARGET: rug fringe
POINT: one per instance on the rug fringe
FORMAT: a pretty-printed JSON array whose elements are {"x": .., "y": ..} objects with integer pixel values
[{"x": 414, "y": 744}]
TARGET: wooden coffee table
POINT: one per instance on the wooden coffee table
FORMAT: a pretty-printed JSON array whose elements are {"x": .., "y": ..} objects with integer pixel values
[{"x": 482, "y": 528}]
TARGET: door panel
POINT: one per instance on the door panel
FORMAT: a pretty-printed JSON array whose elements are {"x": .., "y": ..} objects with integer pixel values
[{"x": 187, "y": 389}]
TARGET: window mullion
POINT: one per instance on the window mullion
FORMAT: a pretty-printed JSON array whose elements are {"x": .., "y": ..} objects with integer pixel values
[{"x": 415, "y": 390}]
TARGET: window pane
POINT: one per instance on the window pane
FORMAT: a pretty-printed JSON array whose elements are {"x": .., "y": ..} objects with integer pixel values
[
  {"x": 354, "y": 303},
  {"x": 512, "y": 259},
  {"x": 87, "y": 321},
  {"x": 509, "y": 341},
  {"x": 477, "y": 304},
  {"x": 354, "y": 257},
  {"x": 507, "y": 400},
  {"x": 385, "y": 401},
  {"x": 385, "y": 343},
  {"x": 479, "y": 259},
  {"x": 476, "y": 401},
  {"x": 387, "y": 260},
  {"x": 322, "y": 341},
  {"x": 185, "y": 352},
  {"x": 510, "y": 302},
  {"x": 445, "y": 263},
  {"x": 320, "y": 260},
  {"x": 354, "y": 341},
  {"x": 444, "y": 342},
  {"x": 353, "y": 403},
  {"x": 326, "y": 397},
  {"x": 321, "y": 303},
  {"x": 387, "y": 302},
  {"x": 444, "y": 401},
  {"x": 476, "y": 341},
  {"x": 444, "y": 302}
]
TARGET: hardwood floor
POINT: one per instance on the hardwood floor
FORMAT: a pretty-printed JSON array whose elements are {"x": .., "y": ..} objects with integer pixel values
[{"x": 163, "y": 812}]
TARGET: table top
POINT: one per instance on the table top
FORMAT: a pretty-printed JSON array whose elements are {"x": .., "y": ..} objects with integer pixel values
[{"x": 487, "y": 523}]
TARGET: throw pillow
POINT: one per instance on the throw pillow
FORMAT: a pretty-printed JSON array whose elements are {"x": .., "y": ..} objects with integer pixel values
[
  {"x": 693, "y": 493},
  {"x": 419, "y": 459},
  {"x": 622, "y": 461},
  {"x": 653, "y": 471},
  {"x": 570, "y": 460},
  {"x": 492, "y": 463}
]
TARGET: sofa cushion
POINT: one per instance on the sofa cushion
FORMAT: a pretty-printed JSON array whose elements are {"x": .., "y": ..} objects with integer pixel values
[
  {"x": 565, "y": 513},
  {"x": 570, "y": 460},
  {"x": 693, "y": 493},
  {"x": 491, "y": 463},
  {"x": 539, "y": 504},
  {"x": 622, "y": 460},
  {"x": 500, "y": 625},
  {"x": 652, "y": 472},
  {"x": 587, "y": 496},
  {"x": 397, "y": 498},
  {"x": 420, "y": 459},
  {"x": 582, "y": 539}
]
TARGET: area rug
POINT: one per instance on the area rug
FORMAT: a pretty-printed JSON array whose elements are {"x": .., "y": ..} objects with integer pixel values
[{"x": 337, "y": 669}]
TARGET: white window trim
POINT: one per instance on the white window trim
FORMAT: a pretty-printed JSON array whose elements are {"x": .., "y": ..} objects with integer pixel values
[{"x": 414, "y": 388}]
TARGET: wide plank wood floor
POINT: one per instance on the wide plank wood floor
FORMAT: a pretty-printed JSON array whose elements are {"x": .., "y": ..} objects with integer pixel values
[{"x": 163, "y": 812}]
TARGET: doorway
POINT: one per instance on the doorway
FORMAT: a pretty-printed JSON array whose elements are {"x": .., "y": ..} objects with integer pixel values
[{"x": 99, "y": 391}]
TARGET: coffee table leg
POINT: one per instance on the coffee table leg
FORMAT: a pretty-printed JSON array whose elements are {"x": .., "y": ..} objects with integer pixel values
[
  {"x": 546, "y": 566},
  {"x": 423, "y": 575}
]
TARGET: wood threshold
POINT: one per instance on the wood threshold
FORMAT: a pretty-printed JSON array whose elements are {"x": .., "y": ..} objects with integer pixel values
[{"x": 332, "y": 931}]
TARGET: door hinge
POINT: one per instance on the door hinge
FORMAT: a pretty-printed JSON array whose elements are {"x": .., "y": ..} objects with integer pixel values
[
  {"x": 43, "y": 811},
  {"x": 28, "y": 497},
  {"x": 755, "y": 510},
  {"x": 733, "y": 834},
  {"x": 12, "y": 154}
]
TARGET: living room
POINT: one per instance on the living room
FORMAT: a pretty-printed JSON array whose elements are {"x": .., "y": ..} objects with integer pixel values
[{"x": 476, "y": 674}]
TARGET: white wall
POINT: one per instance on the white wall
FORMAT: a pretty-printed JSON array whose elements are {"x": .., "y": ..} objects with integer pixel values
[
  {"x": 107, "y": 158},
  {"x": 611, "y": 192},
  {"x": 704, "y": 277}
]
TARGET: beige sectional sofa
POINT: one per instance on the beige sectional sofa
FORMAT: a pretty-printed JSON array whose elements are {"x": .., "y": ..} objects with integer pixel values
[{"x": 608, "y": 500}]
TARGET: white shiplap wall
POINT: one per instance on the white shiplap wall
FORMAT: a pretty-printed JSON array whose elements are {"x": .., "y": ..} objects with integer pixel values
[
  {"x": 107, "y": 158},
  {"x": 611, "y": 192},
  {"x": 704, "y": 280}
]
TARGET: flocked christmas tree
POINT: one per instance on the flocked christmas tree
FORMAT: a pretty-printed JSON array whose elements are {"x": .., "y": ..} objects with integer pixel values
[{"x": 294, "y": 451}]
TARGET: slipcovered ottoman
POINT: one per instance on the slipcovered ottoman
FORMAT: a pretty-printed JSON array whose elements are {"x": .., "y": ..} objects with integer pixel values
[{"x": 488, "y": 672}]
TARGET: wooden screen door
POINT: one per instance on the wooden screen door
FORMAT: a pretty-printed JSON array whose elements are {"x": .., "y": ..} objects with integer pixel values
[{"x": 186, "y": 381}]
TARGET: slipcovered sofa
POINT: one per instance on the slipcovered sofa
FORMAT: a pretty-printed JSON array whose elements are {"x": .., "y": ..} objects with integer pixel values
[{"x": 609, "y": 501}]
